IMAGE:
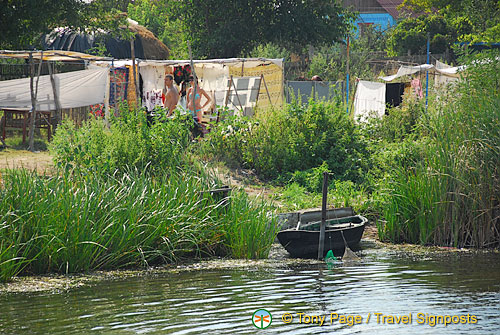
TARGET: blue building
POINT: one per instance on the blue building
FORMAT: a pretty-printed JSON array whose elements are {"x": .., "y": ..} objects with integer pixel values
[{"x": 381, "y": 13}]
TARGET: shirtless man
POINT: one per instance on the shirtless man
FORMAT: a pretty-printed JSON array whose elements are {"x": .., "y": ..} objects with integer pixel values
[{"x": 171, "y": 95}]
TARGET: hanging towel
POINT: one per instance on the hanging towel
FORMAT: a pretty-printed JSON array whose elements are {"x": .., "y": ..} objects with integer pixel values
[{"x": 369, "y": 100}]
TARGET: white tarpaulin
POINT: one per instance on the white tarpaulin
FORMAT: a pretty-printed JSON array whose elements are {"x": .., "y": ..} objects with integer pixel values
[
  {"x": 75, "y": 89},
  {"x": 369, "y": 100},
  {"x": 408, "y": 70}
]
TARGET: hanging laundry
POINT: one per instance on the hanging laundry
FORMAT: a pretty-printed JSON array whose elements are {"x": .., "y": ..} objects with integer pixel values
[
  {"x": 118, "y": 85},
  {"x": 186, "y": 70},
  {"x": 394, "y": 93},
  {"x": 178, "y": 75},
  {"x": 152, "y": 99},
  {"x": 369, "y": 100}
]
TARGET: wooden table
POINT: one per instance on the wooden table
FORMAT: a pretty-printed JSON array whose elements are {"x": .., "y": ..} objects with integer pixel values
[{"x": 20, "y": 119}]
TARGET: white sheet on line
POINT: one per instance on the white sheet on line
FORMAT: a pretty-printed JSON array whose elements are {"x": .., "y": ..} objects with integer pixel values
[
  {"x": 75, "y": 89},
  {"x": 369, "y": 100},
  {"x": 408, "y": 70}
]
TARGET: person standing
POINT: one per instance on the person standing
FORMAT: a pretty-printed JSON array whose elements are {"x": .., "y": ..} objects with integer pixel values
[
  {"x": 194, "y": 100},
  {"x": 171, "y": 94}
]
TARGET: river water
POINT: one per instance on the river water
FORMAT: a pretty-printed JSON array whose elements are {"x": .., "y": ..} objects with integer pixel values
[{"x": 382, "y": 289}]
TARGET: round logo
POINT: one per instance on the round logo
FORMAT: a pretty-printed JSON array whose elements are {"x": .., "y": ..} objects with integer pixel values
[{"x": 262, "y": 319}]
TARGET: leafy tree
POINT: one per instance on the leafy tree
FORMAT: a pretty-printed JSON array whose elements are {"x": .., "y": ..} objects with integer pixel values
[
  {"x": 156, "y": 16},
  {"x": 411, "y": 35},
  {"x": 446, "y": 22},
  {"x": 330, "y": 61},
  {"x": 219, "y": 28},
  {"x": 269, "y": 50},
  {"x": 23, "y": 22}
]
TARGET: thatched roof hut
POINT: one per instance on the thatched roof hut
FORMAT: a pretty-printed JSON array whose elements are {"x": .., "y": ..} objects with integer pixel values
[{"x": 146, "y": 45}]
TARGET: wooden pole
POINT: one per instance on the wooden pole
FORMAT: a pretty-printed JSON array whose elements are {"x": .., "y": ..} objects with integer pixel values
[
  {"x": 34, "y": 92},
  {"x": 267, "y": 91},
  {"x": 195, "y": 78},
  {"x": 134, "y": 71},
  {"x": 323, "y": 216},
  {"x": 195, "y": 85},
  {"x": 237, "y": 96},
  {"x": 226, "y": 100},
  {"x": 347, "y": 77},
  {"x": 54, "y": 90}
]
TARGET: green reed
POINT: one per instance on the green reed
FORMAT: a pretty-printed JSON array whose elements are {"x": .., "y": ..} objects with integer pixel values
[
  {"x": 74, "y": 223},
  {"x": 452, "y": 195}
]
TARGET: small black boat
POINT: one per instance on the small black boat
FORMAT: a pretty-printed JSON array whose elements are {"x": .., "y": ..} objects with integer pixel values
[{"x": 303, "y": 241}]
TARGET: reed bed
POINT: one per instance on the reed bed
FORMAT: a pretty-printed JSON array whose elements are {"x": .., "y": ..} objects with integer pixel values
[
  {"x": 82, "y": 222},
  {"x": 451, "y": 196}
]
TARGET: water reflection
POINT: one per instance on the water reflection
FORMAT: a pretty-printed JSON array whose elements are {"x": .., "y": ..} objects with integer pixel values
[{"x": 223, "y": 301}]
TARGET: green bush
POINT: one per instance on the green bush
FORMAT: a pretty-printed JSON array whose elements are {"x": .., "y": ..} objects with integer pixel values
[
  {"x": 311, "y": 179},
  {"x": 278, "y": 142},
  {"x": 127, "y": 142}
]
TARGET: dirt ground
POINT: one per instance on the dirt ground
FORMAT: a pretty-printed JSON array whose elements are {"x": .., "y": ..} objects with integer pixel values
[
  {"x": 246, "y": 180},
  {"x": 40, "y": 161}
]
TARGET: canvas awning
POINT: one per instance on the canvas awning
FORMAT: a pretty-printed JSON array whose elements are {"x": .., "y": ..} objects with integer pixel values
[{"x": 52, "y": 55}]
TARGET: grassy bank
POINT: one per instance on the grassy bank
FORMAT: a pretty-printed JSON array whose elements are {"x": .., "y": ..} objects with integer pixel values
[
  {"x": 427, "y": 176},
  {"x": 127, "y": 196},
  {"x": 73, "y": 224}
]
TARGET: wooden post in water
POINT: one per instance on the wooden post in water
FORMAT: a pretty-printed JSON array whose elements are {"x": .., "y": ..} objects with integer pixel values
[{"x": 323, "y": 216}]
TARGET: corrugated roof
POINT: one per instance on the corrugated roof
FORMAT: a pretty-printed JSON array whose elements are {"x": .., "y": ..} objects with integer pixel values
[{"x": 391, "y": 6}]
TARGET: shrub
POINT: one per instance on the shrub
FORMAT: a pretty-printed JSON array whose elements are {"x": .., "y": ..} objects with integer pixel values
[
  {"x": 295, "y": 138},
  {"x": 128, "y": 142}
]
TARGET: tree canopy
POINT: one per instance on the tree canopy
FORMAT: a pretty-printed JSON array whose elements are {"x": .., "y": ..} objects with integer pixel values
[
  {"x": 23, "y": 22},
  {"x": 446, "y": 22},
  {"x": 218, "y": 28}
]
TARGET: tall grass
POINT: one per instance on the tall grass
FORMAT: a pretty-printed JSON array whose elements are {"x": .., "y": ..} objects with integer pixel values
[
  {"x": 452, "y": 195},
  {"x": 134, "y": 219},
  {"x": 126, "y": 196},
  {"x": 127, "y": 142}
]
